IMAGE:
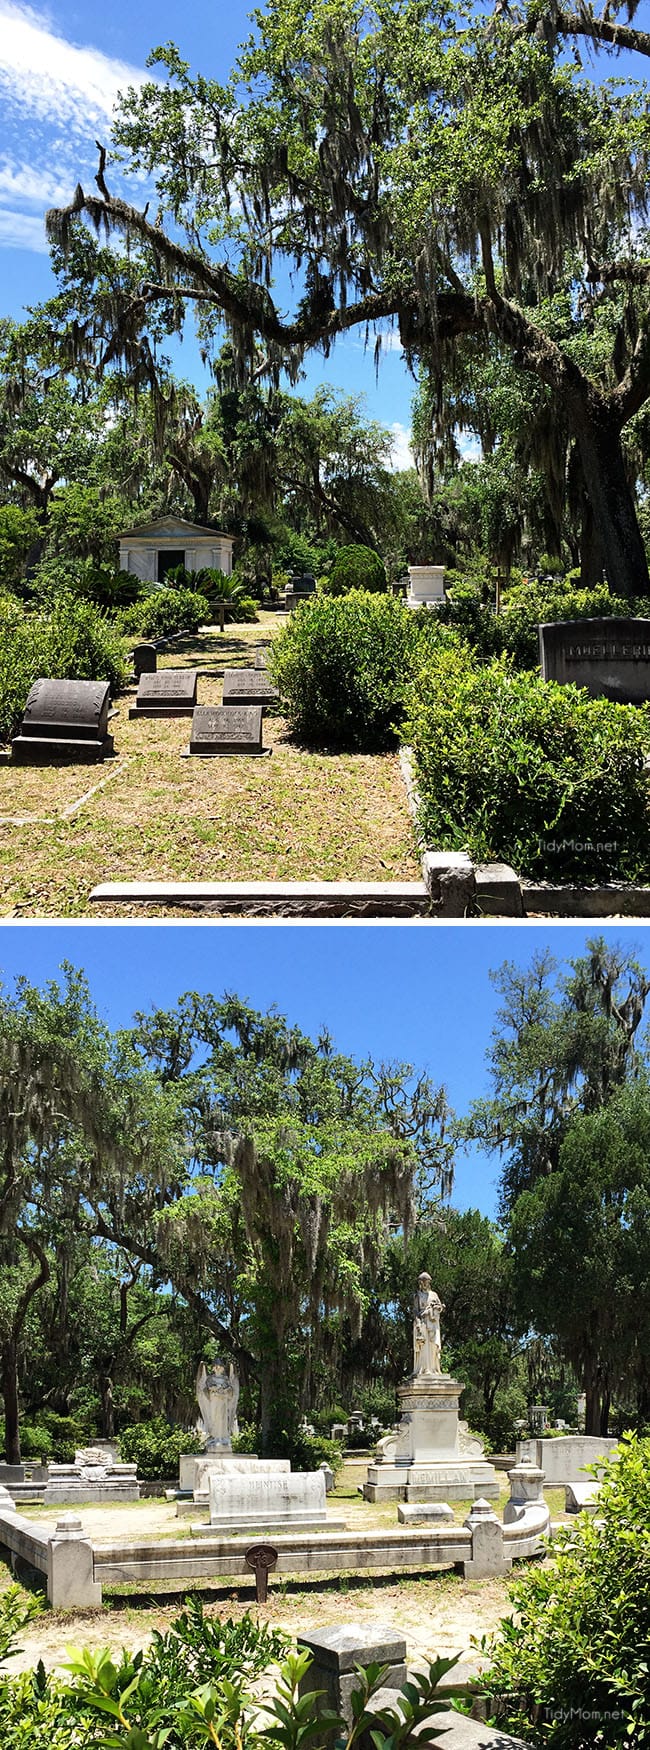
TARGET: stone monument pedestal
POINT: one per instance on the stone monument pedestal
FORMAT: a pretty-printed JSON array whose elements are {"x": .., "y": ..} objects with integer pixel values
[
  {"x": 196, "y": 1469},
  {"x": 426, "y": 586},
  {"x": 425, "y": 1460}
]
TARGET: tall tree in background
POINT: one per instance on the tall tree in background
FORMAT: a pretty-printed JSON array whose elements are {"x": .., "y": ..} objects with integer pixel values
[
  {"x": 402, "y": 165},
  {"x": 570, "y": 1080}
]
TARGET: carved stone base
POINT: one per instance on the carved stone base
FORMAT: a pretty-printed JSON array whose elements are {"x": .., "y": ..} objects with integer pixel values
[{"x": 425, "y": 1461}]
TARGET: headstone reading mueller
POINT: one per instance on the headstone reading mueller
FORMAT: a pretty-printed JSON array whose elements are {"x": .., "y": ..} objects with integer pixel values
[
  {"x": 172, "y": 693},
  {"x": 609, "y": 657},
  {"x": 64, "y": 720},
  {"x": 248, "y": 686},
  {"x": 226, "y": 730}
]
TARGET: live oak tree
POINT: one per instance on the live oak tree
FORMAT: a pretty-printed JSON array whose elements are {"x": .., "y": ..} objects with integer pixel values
[
  {"x": 570, "y": 1081},
  {"x": 402, "y": 165}
]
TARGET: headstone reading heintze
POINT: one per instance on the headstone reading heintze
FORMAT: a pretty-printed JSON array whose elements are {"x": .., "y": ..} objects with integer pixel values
[
  {"x": 248, "y": 686},
  {"x": 609, "y": 657},
  {"x": 171, "y": 693},
  {"x": 218, "y": 730},
  {"x": 64, "y": 720}
]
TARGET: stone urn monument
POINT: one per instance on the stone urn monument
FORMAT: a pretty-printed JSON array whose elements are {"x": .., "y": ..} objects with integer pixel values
[{"x": 428, "y": 1458}]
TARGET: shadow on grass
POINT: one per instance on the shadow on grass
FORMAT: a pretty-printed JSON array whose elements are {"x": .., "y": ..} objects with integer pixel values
[{"x": 242, "y": 1592}]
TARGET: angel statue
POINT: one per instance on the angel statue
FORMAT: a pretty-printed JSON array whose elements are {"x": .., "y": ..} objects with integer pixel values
[
  {"x": 427, "y": 1307},
  {"x": 217, "y": 1393}
]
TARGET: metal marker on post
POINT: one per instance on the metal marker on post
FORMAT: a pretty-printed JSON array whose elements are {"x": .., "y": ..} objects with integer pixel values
[{"x": 261, "y": 1557}]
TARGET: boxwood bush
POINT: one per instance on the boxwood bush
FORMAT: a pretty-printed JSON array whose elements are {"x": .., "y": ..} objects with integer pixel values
[
  {"x": 167, "y": 611},
  {"x": 356, "y": 567},
  {"x": 74, "y": 641},
  {"x": 527, "y": 606},
  {"x": 572, "y": 1670},
  {"x": 514, "y": 768},
  {"x": 342, "y": 665}
]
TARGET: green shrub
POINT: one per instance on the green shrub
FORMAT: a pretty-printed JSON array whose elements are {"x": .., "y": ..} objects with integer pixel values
[
  {"x": 342, "y": 667},
  {"x": 19, "y": 533},
  {"x": 572, "y": 1669},
  {"x": 73, "y": 642},
  {"x": 541, "y": 776},
  {"x": 35, "y": 1441},
  {"x": 88, "y": 579},
  {"x": 53, "y": 1436},
  {"x": 356, "y": 567},
  {"x": 167, "y": 611},
  {"x": 156, "y": 1448},
  {"x": 528, "y": 605}
]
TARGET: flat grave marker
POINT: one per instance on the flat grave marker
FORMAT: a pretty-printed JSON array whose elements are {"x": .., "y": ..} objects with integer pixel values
[
  {"x": 64, "y": 720},
  {"x": 220, "y": 731},
  {"x": 172, "y": 693},
  {"x": 248, "y": 686},
  {"x": 609, "y": 657}
]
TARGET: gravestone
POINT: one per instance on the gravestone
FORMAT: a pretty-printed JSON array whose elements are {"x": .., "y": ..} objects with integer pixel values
[
  {"x": 64, "y": 720},
  {"x": 303, "y": 584},
  {"x": 145, "y": 659},
  {"x": 219, "y": 730},
  {"x": 172, "y": 693},
  {"x": 248, "y": 686},
  {"x": 260, "y": 658},
  {"x": 336, "y": 1652},
  {"x": 609, "y": 657}
]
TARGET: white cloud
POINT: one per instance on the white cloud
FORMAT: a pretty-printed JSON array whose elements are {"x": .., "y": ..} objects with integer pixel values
[
  {"x": 22, "y": 231},
  {"x": 30, "y": 186},
  {"x": 59, "y": 81},
  {"x": 469, "y": 445},
  {"x": 390, "y": 340},
  {"x": 402, "y": 454}
]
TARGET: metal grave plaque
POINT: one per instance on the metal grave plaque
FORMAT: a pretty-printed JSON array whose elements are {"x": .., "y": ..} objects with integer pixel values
[
  {"x": 64, "y": 720},
  {"x": 226, "y": 730},
  {"x": 248, "y": 686},
  {"x": 609, "y": 657},
  {"x": 171, "y": 693}
]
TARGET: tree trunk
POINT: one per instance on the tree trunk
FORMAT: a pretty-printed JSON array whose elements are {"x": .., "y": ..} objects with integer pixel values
[
  {"x": 9, "y": 1375},
  {"x": 610, "y": 495},
  {"x": 591, "y": 553},
  {"x": 108, "y": 1407}
]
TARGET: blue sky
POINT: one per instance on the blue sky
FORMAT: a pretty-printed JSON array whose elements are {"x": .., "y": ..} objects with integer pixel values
[
  {"x": 410, "y": 993},
  {"x": 61, "y": 66}
]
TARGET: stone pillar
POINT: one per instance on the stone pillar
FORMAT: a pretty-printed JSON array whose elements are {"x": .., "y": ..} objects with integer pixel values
[
  {"x": 71, "y": 1583},
  {"x": 488, "y": 1554},
  {"x": 336, "y": 1652},
  {"x": 526, "y": 1480}
]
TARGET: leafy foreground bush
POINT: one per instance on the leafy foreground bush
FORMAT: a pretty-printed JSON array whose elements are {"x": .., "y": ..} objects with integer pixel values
[
  {"x": 356, "y": 567},
  {"x": 191, "y": 1688},
  {"x": 511, "y": 767},
  {"x": 342, "y": 668},
  {"x": 573, "y": 1671},
  {"x": 156, "y": 1448},
  {"x": 75, "y": 641}
]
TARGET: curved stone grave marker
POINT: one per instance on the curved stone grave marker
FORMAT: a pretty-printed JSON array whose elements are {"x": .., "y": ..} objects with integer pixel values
[
  {"x": 248, "y": 686},
  {"x": 261, "y": 1557},
  {"x": 145, "y": 659},
  {"x": 172, "y": 693},
  {"x": 609, "y": 657},
  {"x": 64, "y": 720},
  {"x": 222, "y": 731}
]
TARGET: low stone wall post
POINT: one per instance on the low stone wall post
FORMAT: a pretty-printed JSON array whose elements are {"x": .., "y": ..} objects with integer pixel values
[
  {"x": 488, "y": 1553},
  {"x": 335, "y": 1654},
  {"x": 71, "y": 1583}
]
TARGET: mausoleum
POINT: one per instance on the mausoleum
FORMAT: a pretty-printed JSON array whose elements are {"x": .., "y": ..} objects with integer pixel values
[{"x": 152, "y": 549}]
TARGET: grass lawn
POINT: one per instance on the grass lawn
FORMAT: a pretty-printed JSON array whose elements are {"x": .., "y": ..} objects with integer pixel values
[{"x": 148, "y": 814}]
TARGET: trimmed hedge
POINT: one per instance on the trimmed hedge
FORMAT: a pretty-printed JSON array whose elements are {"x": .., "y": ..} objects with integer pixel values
[
  {"x": 514, "y": 631},
  {"x": 75, "y": 641},
  {"x": 356, "y": 567},
  {"x": 542, "y": 776},
  {"x": 167, "y": 611},
  {"x": 342, "y": 665}
]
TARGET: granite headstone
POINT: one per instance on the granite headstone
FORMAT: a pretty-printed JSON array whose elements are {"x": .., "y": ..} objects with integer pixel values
[
  {"x": 226, "y": 730},
  {"x": 248, "y": 686},
  {"x": 145, "y": 659},
  {"x": 64, "y": 720},
  {"x": 172, "y": 693},
  {"x": 608, "y": 657}
]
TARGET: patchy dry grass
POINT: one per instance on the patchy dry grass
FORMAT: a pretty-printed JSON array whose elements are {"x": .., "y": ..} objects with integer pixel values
[{"x": 151, "y": 815}]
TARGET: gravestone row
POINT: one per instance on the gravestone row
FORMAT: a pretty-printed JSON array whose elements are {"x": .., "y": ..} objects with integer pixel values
[{"x": 68, "y": 720}]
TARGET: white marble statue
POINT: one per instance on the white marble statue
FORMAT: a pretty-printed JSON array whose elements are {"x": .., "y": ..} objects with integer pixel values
[
  {"x": 217, "y": 1393},
  {"x": 427, "y": 1307}
]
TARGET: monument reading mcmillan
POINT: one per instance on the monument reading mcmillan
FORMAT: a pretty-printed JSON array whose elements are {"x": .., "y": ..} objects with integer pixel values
[{"x": 429, "y": 1458}]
